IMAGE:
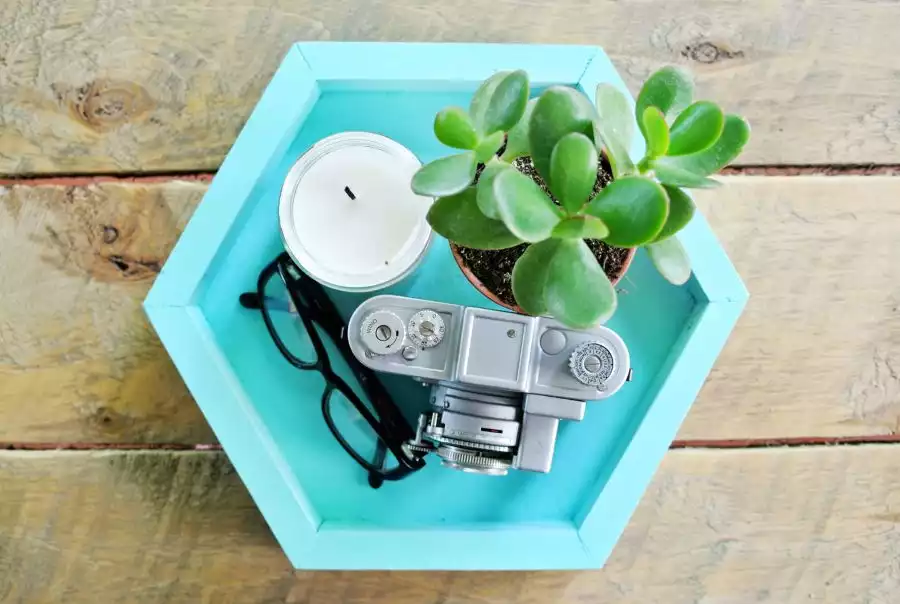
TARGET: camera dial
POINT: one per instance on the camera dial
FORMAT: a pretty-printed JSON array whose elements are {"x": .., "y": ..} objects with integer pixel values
[
  {"x": 382, "y": 332},
  {"x": 591, "y": 363},
  {"x": 426, "y": 329}
]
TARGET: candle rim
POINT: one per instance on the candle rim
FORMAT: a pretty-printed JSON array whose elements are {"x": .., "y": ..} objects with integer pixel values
[{"x": 411, "y": 254}]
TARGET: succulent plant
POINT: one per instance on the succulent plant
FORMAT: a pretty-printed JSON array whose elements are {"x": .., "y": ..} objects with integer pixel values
[{"x": 564, "y": 134}]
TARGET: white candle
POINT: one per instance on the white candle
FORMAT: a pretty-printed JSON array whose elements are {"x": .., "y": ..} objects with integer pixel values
[{"x": 348, "y": 216}]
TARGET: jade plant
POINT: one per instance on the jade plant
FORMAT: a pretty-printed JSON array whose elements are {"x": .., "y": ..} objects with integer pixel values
[{"x": 564, "y": 134}]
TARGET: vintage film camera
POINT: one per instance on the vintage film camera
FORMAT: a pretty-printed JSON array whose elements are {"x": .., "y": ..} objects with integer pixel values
[{"x": 500, "y": 381}]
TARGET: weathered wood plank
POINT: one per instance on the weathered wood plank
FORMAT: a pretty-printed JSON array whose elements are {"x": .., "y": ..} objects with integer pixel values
[
  {"x": 817, "y": 351},
  {"x": 78, "y": 359},
  {"x": 780, "y": 525},
  {"x": 166, "y": 85}
]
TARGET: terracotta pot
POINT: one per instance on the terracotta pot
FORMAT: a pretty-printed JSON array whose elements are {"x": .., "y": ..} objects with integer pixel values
[{"x": 476, "y": 282}]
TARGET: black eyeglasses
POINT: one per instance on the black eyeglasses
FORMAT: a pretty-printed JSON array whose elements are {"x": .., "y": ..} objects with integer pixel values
[{"x": 354, "y": 423}]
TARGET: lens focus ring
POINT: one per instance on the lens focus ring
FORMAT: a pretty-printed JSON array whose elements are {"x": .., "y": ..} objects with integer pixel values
[{"x": 468, "y": 461}]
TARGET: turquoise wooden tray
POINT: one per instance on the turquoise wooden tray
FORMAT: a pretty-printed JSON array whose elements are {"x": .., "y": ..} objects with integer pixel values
[{"x": 266, "y": 414}]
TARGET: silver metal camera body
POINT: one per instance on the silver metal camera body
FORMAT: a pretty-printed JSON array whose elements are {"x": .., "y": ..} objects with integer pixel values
[{"x": 500, "y": 381}]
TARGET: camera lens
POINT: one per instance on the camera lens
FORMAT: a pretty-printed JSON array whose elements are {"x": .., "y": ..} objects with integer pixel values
[{"x": 475, "y": 431}]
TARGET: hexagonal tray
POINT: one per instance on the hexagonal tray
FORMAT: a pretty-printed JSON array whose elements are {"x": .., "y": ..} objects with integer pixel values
[{"x": 267, "y": 414}]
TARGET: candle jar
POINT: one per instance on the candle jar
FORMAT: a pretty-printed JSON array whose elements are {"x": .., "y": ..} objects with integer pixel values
[{"x": 347, "y": 215}]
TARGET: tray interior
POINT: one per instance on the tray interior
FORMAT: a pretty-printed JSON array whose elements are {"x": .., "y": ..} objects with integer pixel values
[{"x": 651, "y": 316}]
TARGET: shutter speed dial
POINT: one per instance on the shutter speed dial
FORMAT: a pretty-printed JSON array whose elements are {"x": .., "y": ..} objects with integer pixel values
[
  {"x": 382, "y": 332},
  {"x": 591, "y": 363},
  {"x": 426, "y": 329}
]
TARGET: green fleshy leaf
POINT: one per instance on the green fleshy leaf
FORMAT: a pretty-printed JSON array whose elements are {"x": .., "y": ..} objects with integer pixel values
[
  {"x": 500, "y": 101},
  {"x": 656, "y": 131},
  {"x": 735, "y": 134},
  {"x": 454, "y": 128},
  {"x": 525, "y": 209},
  {"x": 671, "y": 260},
  {"x": 478, "y": 106},
  {"x": 696, "y": 128},
  {"x": 581, "y": 227},
  {"x": 485, "y": 188},
  {"x": 445, "y": 176},
  {"x": 614, "y": 128},
  {"x": 681, "y": 210},
  {"x": 668, "y": 172},
  {"x": 670, "y": 89},
  {"x": 517, "y": 137},
  {"x": 577, "y": 292},
  {"x": 573, "y": 170},
  {"x": 458, "y": 218},
  {"x": 529, "y": 276},
  {"x": 614, "y": 111},
  {"x": 559, "y": 111},
  {"x": 488, "y": 147},
  {"x": 508, "y": 102},
  {"x": 634, "y": 208}
]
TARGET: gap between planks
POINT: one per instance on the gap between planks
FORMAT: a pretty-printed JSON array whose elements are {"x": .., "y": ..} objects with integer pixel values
[
  {"x": 76, "y": 180},
  {"x": 49, "y": 446},
  {"x": 747, "y": 443}
]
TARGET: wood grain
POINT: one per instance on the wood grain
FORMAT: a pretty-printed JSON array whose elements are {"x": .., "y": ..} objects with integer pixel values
[
  {"x": 779, "y": 526},
  {"x": 157, "y": 85},
  {"x": 78, "y": 359},
  {"x": 817, "y": 351}
]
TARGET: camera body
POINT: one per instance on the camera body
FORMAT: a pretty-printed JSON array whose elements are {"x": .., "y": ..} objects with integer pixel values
[{"x": 500, "y": 381}]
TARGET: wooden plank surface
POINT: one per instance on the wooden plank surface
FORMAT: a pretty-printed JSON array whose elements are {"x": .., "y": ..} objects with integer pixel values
[
  {"x": 783, "y": 525},
  {"x": 817, "y": 352},
  {"x": 157, "y": 85},
  {"x": 78, "y": 359}
]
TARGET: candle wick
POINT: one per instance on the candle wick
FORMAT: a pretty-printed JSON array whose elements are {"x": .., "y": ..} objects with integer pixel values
[{"x": 349, "y": 193}]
